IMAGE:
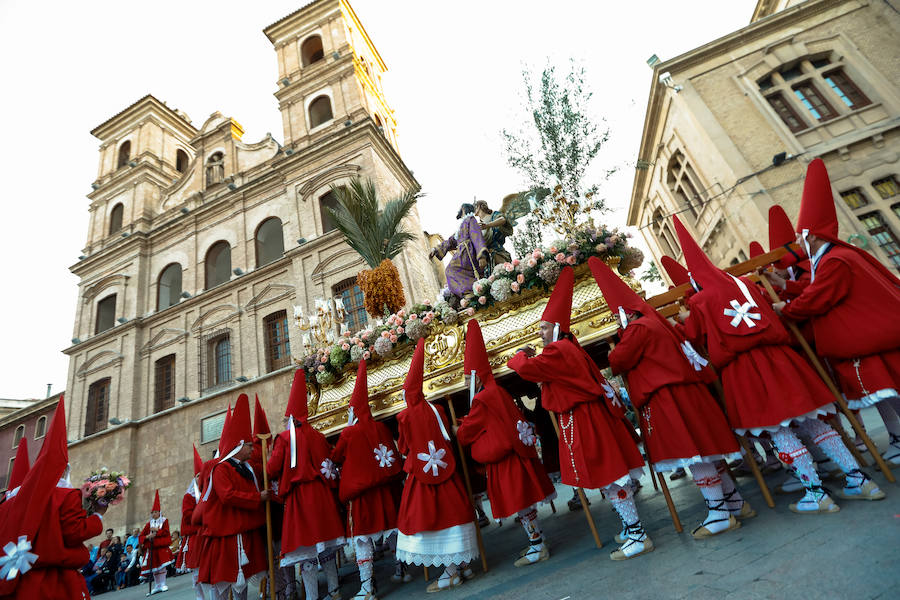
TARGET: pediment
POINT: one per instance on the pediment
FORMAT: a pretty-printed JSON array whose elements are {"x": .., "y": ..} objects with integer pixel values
[
  {"x": 270, "y": 293},
  {"x": 108, "y": 281},
  {"x": 306, "y": 190},
  {"x": 102, "y": 359},
  {"x": 341, "y": 260},
  {"x": 163, "y": 338},
  {"x": 216, "y": 316}
]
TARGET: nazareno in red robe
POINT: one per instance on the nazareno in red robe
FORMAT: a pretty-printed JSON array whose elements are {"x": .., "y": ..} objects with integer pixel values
[
  {"x": 680, "y": 420},
  {"x": 767, "y": 384},
  {"x": 434, "y": 498},
  {"x": 59, "y": 544},
  {"x": 503, "y": 441},
  {"x": 596, "y": 448},
  {"x": 233, "y": 509},
  {"x": 311, "y": 515},
  {"x": 160, "y": 556},
  {"x": 187, "y": 557},
  {"x": 855, "y": 314}
]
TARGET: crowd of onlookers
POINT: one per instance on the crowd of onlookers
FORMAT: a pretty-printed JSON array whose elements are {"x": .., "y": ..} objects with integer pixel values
[{"x": 115, "y": 565}]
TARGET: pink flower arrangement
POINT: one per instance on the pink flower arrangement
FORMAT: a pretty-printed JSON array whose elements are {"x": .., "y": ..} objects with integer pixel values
[
  {"x": 393, "y": 339},
  {"x": 520, "y": 279},
  {"x": 531, "y": 263},
  {"x": 385, "y": 334},
  {"x": 413, "y": 317},
  {"x": 553, "y": 249},
  {"x": 470, "y": 311},
  {"x": 345, "y": 346},
  {"x": 321, "y": 368},
  {"x": 560, "y": 257},
  {"x": 514, "y": 286},
  {"x": 509, "y": 267},
  {"x": 104, "y": 488},
  {"x": 536, "y": 254},
  {"x": 426, "y": 319},
  {"x": 464, "y": 303},
  {"x": 366, "y": 355},
  {"x": 482, "y": 299},
  {"x": 570, "y": 259},
  {"x": 400, "y": 331},
  {"x": 515, "y": 262}
]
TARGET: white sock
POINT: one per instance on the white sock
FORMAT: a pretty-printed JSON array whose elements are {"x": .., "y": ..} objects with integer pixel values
[
  {"x": 364, "y": 552},
  {"x": 707, "y": 479},
  {"x": 735, "y": 502},
  {"x": 623, "y": 502},
  {"x": 310, "y": 577},
  {"x": 159, "y": 579}
]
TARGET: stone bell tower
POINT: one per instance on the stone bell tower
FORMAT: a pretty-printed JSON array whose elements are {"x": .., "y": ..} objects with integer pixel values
[{"x": 329, "y": 74}]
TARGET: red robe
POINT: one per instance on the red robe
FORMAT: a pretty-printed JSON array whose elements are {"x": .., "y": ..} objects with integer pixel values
[
  {"x": 596, "y": 447},
  {"x": 516, "y": 479},
  {"x": 188, "y": 555},
  {"x": 370, "y": 465},
  {"x": 311, "y": 515},
  {"x": 766, "y": 382},
  {"x": 679, "y": 418},
  {"x": 160, "y": 555},
  {"x": 200, "y": 555},
  {"x": 436, "y": 498},
  {"x": 853, "y": 309},
  {"x": 233, "y": 509},
  {"x": 59, "y": 544}
]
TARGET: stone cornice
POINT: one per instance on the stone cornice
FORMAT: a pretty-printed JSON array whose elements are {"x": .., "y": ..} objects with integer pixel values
[{"x": 143, "y": 108}]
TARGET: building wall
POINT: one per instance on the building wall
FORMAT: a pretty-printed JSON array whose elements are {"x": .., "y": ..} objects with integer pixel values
[
  {"x": 719, "y": 118},
  {"x": 27, "y": 418},
  {"x": 174, "y": 216}
]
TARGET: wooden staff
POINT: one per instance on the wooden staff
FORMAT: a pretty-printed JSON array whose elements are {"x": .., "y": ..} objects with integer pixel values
[
  {"x": 264, "y": 437},
  {"x": 873, "y": 450},
  {"x": 579, "y": 491},
  {"x": 662, "y": 480},
  {"x": 465, "y": 469}
]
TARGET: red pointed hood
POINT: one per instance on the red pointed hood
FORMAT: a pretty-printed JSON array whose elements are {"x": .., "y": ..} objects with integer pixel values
[
  {"x": 25, "y": 513},
  {"x": 221, "y": 450},
  {"x": 781, "y": 233},
  {"x": 260, "y": 421},
  {"x": 559, "y": 306},
  {"x": 676, "y": 272},
  {"x": 297, "y": 407},
  {"x": 703, "y": 271},
  {"x": 476, "y": 358},
  {"x": 616, "y": 292},
  {"x": 238, "y": 430},
  {"x": 198, "y": 462},
  {"x": 818, "y": 215},
  {"x": 415, "y": 377},
  {"x": 756, "y": 249},
  {"x": 20, "y": 466},
  {"x": 359, "y": 401},
  {"x": 155, "y": 506}
]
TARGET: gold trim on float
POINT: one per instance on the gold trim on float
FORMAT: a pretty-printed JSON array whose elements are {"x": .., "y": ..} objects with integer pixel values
[{"x": 505, "y": 326}]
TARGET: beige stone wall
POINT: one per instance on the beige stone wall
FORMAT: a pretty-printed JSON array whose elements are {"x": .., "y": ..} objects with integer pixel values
[{"x": 729, "y": 133}]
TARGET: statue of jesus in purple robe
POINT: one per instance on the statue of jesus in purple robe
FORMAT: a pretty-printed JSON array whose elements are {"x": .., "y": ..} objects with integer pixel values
[{"x": 470, "y": 259}]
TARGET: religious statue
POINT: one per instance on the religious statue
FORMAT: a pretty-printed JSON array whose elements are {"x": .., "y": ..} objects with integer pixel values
[
  {"x": 496, "y": 226},
  {"x": 470, "y": 261}
]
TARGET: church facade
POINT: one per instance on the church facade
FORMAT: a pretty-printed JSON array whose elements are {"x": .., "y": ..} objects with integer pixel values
[
  {"x": 201, "y": 244},
  {"x": 731, "y": 125}
]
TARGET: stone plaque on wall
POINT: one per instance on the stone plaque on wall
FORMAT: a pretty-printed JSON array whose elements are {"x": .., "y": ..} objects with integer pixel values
[{"x": 211, "y": 428}]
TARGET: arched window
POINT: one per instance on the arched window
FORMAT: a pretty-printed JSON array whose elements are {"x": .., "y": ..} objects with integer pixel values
[
  {"x": 40, "y": 428},
  {"x": 215, "y": 169},
  {"x": 169, "y": 286},
  {"x": 219, "y": 370},
  {"x": 320, "y": 111},
  {"x": 278, "y": 343},
  {"x": 115, "y": 218},
  {"x": 181, "y": 161},
  {"x": 97, "y": 407},
  {"x": 269, "y": 241},
  {"x": 106, "y": 314},
  {"x": 218, "y": 264},
  {"x": 325, "y": 202},
  {"x": 165, "y": 383},
  {"x": 311, "y": 50},
  {"x": 684, "y": 184},
  {"x": 663, "y": 233},
  {"x": 124, "y": 154},
  {"x": 18, "y": 435}
]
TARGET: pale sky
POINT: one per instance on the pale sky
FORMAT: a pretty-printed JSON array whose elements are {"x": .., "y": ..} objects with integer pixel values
[{"x": 454, "y": 80}]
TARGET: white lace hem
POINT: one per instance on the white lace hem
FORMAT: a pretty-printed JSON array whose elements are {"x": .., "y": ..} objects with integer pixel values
[
  {"x": 310, "y": 552},
  {"x": 374, "y": 537},
  {"x": 452, "y": 546},
  {"x": 873, "y": 398},
  {"x": 825, "y": 410},
  {"x": 680, "y": 463}
]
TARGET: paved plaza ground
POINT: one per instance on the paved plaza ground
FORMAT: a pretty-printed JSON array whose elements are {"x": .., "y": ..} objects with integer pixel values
[{"x": 778, "y": 554}]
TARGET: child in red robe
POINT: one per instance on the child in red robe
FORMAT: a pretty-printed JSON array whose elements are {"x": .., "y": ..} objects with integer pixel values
[
  {"x": 187, "y": 559},
  {"x": 312, "y": 530},
  {"x": 682, "y": 424},
  {"x": 767, "y": 385},
  {"x": 596, "y": 446},
  {"x": 370, "y": 465},
  {"x": 233, "y": 513},
  {"x": 502, "y": 439},
  {"x": 155, "y": 540},
  {"x": 435, "y": 519}
]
